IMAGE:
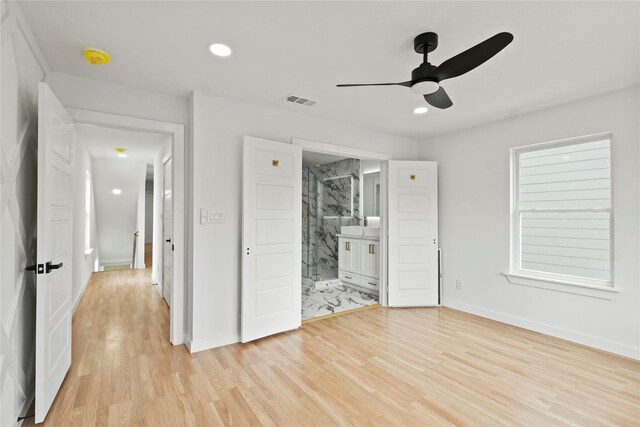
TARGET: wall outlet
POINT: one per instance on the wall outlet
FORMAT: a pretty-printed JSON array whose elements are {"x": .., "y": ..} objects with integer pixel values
[{"x": 459, "y": 284}]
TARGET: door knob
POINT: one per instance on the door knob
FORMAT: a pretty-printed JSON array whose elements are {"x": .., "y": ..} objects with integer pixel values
[
  {"x": 38, "y": 268},
  {"x": 50, "y": 266}
]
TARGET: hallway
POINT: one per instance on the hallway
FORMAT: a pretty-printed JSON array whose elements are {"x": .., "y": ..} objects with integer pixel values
[{"x": 371, "y": 367}]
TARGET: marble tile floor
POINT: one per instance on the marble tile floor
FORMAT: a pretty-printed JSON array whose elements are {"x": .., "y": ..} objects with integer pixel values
[{"x": 321, "y": 302}]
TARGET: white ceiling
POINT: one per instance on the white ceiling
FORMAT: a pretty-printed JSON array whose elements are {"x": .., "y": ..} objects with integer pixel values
[
  {"x": 562, "y": 51},
  {"x": 101, "y": 143}
]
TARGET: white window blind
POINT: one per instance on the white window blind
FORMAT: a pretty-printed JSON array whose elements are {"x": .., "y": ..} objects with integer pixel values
[{"x": 563, "y": 210}]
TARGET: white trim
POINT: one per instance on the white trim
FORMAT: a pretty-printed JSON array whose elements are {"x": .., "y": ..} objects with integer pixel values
[
  {"x": 339, "y": 150},
  {"x": 209, "y": 343},
  {"x": 180, "y": 202},
  {"x": 383, "y": 296},
  {"x": 567, "y": 286},
  {"x": 587, "y": 340},
  {"x": 81, "y": 293}
]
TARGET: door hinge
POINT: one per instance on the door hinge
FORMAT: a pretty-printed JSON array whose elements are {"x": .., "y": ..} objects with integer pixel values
[
  {"x": 173, "y": 247},
  {"x": 38, "y": 268}
]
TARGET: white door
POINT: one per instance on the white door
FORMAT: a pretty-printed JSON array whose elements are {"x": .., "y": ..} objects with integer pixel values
[
  {"x": 167, "y": 233},
  {"x": 413, "y": 233},
  {"x": 271, "y": 237},
  {"x": 53, "y": 283}
]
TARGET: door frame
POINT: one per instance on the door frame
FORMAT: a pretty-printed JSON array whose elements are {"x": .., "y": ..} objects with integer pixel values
[
  {"x": 357, "y": 153},
  {"x": 165, "y": 160},
  {"x": 176, "y": 131}
]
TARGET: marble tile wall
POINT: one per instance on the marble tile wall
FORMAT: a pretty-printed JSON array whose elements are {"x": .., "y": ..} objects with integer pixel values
[{"x": 325, "y": 209}]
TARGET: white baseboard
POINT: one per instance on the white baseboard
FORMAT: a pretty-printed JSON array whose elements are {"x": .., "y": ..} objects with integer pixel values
[
  {"x": 84, "y": 287},
  {"x": 115, "y": 261},
  {"x": 209, "y": 343},
  {"x": 588, "y": 340}
]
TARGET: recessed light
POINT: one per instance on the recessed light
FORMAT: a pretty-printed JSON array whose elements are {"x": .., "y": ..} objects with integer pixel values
[
  {"x": 116, "y": 191},
  {"x": 122, "y": 155},
  {"x": 420, "y": 110},
  {"x": 219, "y": 49}
]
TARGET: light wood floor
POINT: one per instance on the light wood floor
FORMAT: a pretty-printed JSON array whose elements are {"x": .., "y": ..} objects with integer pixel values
[{"x": 389, "y": 367}]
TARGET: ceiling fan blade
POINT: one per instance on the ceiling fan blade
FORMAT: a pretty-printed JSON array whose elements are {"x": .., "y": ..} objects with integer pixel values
[
  {"x": 407, "y": 84},
  {"x": 439, "y": 99},
  {"x": 473, "y": 57}
]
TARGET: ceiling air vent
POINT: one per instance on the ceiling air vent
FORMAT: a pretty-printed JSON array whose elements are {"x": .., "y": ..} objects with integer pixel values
[{"x": 302, "y": 101}]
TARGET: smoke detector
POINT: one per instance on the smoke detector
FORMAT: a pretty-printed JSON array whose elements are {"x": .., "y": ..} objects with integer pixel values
[{"x": 96, "y": 57}]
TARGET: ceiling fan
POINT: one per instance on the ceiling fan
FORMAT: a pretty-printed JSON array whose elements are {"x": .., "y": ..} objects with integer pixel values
[{"x": 425, "y": 80}]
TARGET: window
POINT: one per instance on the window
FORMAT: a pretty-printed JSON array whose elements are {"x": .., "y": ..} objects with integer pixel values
[
  {"x": 562, "y": 211},
  {"x": 87, "y": 213}
]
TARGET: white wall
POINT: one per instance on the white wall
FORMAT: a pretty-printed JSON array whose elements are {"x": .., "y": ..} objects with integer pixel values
[
  {"x": 117, "y": 215},
  {"x": 94, "y": 95},
  {"x": 474, "y": 222},
  {"x": 148, "y": 217},
  {"x": 22, "y": 67},
  {"x": 83, "y": 264},
  {"x": 140, "y": 220},
  {"x": 218, "y": 127}
]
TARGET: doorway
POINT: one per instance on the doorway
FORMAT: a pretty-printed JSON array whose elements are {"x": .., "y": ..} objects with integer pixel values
[
  {"x": 340, "y": 241},
  {"x": 271, "y": 285},
  {"x": 175, "y": 133}
]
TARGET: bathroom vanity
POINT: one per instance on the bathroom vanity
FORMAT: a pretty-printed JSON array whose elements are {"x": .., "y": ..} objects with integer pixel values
[{"x": 359, "y": 257}]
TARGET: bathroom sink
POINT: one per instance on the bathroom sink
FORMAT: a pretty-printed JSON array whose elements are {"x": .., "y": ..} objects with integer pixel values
[
  {"x": 358, "y": 230},
  {"x": 352, "y": 230}
]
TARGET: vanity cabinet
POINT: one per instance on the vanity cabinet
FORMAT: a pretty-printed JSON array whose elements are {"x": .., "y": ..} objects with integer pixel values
[
  {"x": 370, "y": 258},
  {"x": 359, "y": 261},
  {"x": 349, "y": 254}
]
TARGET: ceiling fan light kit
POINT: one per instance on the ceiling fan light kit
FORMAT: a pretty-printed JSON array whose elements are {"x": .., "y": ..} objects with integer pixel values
[
  {"x": 426, "y": 78},
  {"x": 425, "y": 87}
]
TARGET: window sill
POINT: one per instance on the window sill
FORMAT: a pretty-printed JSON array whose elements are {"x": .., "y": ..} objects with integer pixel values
[{"x": 566, "y": 286}]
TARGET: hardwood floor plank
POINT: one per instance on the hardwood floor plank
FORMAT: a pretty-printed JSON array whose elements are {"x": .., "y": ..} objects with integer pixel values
[{"x": 374, "y": 367}]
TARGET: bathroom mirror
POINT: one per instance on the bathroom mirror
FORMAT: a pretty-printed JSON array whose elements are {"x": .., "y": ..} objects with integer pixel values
[
  {"x": 371, "y": 194},
  {"x": 337, "y": 197}
]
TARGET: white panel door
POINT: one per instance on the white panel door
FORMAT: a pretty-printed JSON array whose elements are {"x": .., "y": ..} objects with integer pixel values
[
  {"x": 271, "y": 237},
  {"x": 54, "y": 273},
  {"x": 413, "y": 233},
  {"x": 167, "y": 233}
]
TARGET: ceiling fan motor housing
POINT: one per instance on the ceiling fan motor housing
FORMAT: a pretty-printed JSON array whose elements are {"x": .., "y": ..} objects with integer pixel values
[
  {"x": 423, "y": 72},
  {"x": 428, "y": 40}
]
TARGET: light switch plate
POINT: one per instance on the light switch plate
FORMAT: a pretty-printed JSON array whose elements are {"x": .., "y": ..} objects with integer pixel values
[{"x": 211, "y": 216}]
